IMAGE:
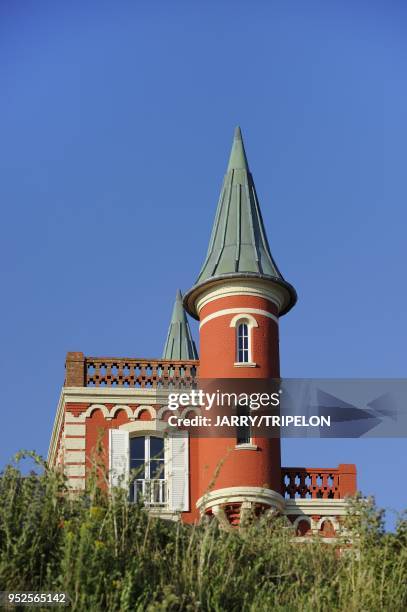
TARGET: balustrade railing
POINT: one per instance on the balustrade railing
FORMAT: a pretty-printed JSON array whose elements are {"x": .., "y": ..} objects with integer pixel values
[
  {"x": 311, "y": 483},
  {"x": 319, "y": 483},
  {"x": 128, "y": 372},
  {"x": 149, "y": 492}
]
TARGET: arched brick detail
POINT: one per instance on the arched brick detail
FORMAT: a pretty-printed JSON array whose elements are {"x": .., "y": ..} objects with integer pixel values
[
  {"x": 105, "y": 411},
  {"x": 303, "y": 526},
  {"x": 126, "y": 409},
  {"x": 149, "y": 409},
  {"x": 326, "y": 528}
]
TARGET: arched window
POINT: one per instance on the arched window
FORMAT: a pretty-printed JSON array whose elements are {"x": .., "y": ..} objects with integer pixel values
[
  {"x": 147, "y": 466},
  {"x": 242, "y": 343},
  {"x": 243, "y": 324}
]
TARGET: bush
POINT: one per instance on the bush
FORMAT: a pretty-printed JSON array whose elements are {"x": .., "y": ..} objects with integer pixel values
[{"x": 108, "y": 554}]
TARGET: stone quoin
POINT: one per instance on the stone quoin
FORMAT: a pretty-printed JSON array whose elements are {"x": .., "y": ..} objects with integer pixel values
[{"x": 238, "y": 299}]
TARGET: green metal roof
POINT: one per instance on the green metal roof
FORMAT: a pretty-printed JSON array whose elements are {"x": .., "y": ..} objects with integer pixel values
[
  {"x": 179, "y": 344},
  {"x": 238, "y": 246},
  {"x": 238, "y": 242}
]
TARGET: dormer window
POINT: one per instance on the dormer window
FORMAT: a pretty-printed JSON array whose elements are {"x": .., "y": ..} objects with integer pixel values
[{"x": 243, "y": 324}]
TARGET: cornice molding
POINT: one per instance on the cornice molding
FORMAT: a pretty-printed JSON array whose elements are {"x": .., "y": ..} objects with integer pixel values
[
  {"x": 253, "y": 287},
  {"x": 309, "y": 507}
]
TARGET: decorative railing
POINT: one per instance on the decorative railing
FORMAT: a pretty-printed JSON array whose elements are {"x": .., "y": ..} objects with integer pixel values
[
  {"x": 149, "y": 492},
  {"x": 319, "y": 483},
  {"x": 128, "y": 372}
]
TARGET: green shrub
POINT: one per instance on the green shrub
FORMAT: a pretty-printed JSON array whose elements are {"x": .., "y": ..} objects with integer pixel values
[{"x": 108, "y": 554}]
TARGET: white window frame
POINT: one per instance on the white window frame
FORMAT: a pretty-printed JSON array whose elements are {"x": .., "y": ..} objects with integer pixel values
[
  {"x": 147, "y": 435},
  {"x": 250, "y": 321},
  {"x": 159, "y": 428},
  {"x": 147, "y": 453}
]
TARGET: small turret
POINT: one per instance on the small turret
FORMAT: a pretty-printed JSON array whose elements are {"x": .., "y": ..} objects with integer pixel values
[
  {"x": 238, "y": 297},
  {"x": 179, "y": 344}
]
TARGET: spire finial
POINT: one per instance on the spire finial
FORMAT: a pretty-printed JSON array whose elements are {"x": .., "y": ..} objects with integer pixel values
[
  {"x": 238, "y": 159},
  {"x": 238, "y": 133}
]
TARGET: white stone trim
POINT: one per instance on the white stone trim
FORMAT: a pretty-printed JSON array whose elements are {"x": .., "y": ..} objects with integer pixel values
[
  {"x": 163, "y": 410},
  {"x": 110, "y": 414},
  {"x": 247, "y": 446},
  {"x": 255, "y": 287},
  {"x": 120, "y": 397},
  {"x": 251, "y": 321},
  {"x": 145, "y": 427},
  {"x": 114, "y": 395},
  {"x": 74, "y": 456},
  {"x": 300, "y": 518},
  {"x": 74, "y": 444},
  {"x": 331, "y": 519},
  {"x": 75, "y": 470},
  {"x": 308, "y": 507},
  {"x": 129, "y": 411},
  {"x": 59, "y": 419},
  {"x": 230, "y": 495},
  {"x": 247, "y": 364},
  {"x": 73, "y": 419},
  {"x": 316, "y": 525},
  {"x": 240, "y": 313},
  {"x": 94, "y": 407},
  {"x": 152, "y": 411},
  {"x": 76, "y": 483},
  {"x": 75, "y": 430}
]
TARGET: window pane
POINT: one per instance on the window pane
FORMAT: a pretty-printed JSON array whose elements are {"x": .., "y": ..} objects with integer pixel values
[
  {"x": 243, "y": 431},
  {"x": 137, "y": 448},
  {"x": 156, "y": 448},
  {"x": 139, "y": 466},
  {"x": 137, "y": 456},
  {"x": 243, "y": 343},
  {"x": 157, "y": 468}
]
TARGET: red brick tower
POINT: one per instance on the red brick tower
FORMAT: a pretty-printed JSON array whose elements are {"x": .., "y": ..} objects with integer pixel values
[{"x": 238, "y": 299}]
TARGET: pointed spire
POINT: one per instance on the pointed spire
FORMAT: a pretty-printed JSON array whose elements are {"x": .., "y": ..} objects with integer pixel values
[
  {"x": 179, "y": 344},
  {"x": 238, "y": 159},
  {"x": 238, "y": 245},
  {"x": 238, "y": 242}
]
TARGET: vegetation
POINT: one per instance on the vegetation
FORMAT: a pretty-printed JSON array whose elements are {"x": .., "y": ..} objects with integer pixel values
[{"x": 108, "y": 554}]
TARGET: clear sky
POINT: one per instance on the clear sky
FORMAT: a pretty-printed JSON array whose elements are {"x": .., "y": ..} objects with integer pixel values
[{"x": 116, "y": 121}]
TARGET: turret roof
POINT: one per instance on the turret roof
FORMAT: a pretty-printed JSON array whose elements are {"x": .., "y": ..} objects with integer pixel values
[
  {"x": 238, "y": 245},
  {"x": 179, "y": 344}
]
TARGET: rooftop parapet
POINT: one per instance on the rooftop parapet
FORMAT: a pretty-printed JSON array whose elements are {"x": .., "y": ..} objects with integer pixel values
[{"x": 81, "y": 371}]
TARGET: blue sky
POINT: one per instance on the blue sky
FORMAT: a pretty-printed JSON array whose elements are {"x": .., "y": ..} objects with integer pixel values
[{"x": 116, "y": 121}]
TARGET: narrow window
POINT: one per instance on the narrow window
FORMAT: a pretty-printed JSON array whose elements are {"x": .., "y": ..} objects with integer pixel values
[
  {"x": 242, "y": 343},
  {"x": 243, "y": 429}
]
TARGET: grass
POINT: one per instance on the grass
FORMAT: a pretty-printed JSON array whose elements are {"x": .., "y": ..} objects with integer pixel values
[{"x": 108, "y": 554}]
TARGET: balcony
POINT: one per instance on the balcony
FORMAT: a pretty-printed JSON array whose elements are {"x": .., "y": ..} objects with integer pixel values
[{"x": 151, "y": 493}]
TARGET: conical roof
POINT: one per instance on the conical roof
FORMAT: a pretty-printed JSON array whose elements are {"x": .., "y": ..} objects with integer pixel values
[
  {"x": 238, "y": 245},
  {"x": 179, "y": 344}
]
